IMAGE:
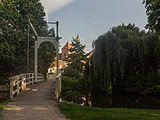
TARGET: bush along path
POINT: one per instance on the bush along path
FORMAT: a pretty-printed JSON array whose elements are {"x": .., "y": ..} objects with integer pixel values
[{"x": 34, "y": 104}]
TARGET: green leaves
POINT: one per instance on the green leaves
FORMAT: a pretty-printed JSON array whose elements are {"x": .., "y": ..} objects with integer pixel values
[
  {"x": 77, "y": 55},
  {"x": 46, "y": 55},
  {"x": 123, "y": 58},
  {"x": 153, "y": 12},
  {"x": 14, "y": 16}
]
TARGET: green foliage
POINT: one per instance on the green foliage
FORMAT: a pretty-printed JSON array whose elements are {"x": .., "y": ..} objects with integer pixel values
[
  {"x": 71, "y": 89},
  {"x": 52, "y": 64},
  {"x": 51, "y": 32},
  {"x": 153, "y": 13},
  {"x": 76, "y": 56},
  {"x": 77, "y": 112},
  {"x": 47, "y": 54},
  {"x": 71, "y": 72},
  {"x": 14, "y": 17},
  {"x": 125, "y": 60},
  {"x": 155, "y": 90}
]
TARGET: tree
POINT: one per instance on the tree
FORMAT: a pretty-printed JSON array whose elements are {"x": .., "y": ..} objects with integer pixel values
[
  {"x": 72, "y": 80},
  {"x": 14, "y": 17},
  {"x": 124, "y": 60},
  {"x": 76, "y": 57},
  {"x": 51, "y": 32},
  {"x": 46, "y": 55},
  {"x": 153, "y": 12}
]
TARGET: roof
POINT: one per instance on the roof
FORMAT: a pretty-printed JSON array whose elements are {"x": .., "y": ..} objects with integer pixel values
[
  {"x": 89, "y": 54},
  {"x": 61, "y": 63},
  {"x": 67, "y": 45}
]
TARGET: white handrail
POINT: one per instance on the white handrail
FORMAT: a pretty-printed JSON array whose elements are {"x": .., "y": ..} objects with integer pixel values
[
  {"x": 58, "y": 85},
  {"x": 20, "y": 82}
]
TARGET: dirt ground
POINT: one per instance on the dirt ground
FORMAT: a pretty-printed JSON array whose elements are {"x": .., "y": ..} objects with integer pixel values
[{"x": 35, "y": 103}]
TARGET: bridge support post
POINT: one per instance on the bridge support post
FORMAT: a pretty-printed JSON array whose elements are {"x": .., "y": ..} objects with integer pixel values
[
  {"x": 18, "y": 87},
  {"x": 36, "y": 61},
  {"x": 11, "y": 89},
  {"x": 57, "y": 54}
]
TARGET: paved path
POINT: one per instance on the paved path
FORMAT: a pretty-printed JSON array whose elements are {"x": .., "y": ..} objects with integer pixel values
[{"x": 34, "y": 104}]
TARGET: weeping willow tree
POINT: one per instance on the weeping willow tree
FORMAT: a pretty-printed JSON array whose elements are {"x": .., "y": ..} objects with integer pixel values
[{"x": 121, "y": 63}]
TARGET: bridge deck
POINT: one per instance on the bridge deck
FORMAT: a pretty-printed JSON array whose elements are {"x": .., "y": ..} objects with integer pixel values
[{"x": 34, "y": 104}]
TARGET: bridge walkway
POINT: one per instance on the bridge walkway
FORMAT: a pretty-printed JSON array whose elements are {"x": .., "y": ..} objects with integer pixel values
[{"x": 36, "y": 103}]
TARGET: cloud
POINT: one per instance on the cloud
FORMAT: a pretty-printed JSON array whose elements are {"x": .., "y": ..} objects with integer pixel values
[
  {"x": 81, "y": 38},
  {"x": 51, "y": 6}
]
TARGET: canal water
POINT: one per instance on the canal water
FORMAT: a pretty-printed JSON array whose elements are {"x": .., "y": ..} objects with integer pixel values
[{"x": 136, "y": 101}]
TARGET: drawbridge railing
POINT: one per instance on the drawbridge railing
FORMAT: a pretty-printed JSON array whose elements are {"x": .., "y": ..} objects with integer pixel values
[
  {"x": 20, "y": 82},
  {"x": 58, "y": 85}
]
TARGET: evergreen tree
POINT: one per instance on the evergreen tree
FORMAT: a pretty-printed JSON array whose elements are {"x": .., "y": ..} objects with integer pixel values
[{"x": 76, "y": 57}]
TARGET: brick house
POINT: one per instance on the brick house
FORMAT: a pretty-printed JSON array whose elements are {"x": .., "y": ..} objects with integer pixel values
[
  {"x": 65, "y": 51},
  {"x": 62, "y": 56}
]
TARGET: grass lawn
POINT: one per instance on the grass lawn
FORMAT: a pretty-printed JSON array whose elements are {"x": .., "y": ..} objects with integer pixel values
[
  {"x": 78, "y": 112},
  {"x": 2, "y": 105}
]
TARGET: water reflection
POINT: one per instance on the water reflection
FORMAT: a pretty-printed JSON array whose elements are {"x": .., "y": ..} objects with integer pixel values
[{"x": 136, "y": 101}]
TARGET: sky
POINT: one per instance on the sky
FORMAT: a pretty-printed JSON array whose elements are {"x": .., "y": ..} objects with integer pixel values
[{"x": 92, "y": 18}]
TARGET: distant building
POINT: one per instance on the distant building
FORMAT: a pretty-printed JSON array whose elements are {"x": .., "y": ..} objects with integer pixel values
[
  {"x": 62, "y": 56},
  {"x": 62, "y": 64},
  {"x": 89, "y": 54},
  {"x": 65, "y": 51}
]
